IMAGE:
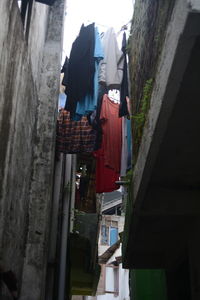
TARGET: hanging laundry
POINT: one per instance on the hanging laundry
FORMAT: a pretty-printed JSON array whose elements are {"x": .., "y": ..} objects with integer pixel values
[
  {"x": 81, "y": 68},
  {"x": 126, "y": 158},
  {"x": 111, "y": 67},
  {"x": 109, "y": 155},
  {"x": 112, "y": 133},
  {"x": 124, "y": 90},
  {"x": 61, "y": 101},
  {"x": 65, "y": 70},
  {"x": 105, "y": 176},
  {"x": 62, "y": 95},
  {"x": 95, "y": 116},
  {"x": 89, "y": 103},
  {"x": 74, "y": 136},
  {"x": 86, "y": 200}
]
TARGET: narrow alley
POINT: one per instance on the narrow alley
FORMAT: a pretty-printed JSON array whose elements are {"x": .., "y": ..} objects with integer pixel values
[{"x": 99, "y": 167}]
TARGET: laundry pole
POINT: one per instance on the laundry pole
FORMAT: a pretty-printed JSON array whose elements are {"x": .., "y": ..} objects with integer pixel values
[{"x": 65, "y": 227}]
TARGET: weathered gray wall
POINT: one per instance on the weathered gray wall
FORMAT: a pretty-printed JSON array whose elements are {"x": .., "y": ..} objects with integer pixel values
[
  {"x": 148, "y": 29},
  {"x": 29, "y": 84},
  {"x": 42, "y": 177},
  {"x": 17, "y": 110},
  {"x": 165, "y": 165}
]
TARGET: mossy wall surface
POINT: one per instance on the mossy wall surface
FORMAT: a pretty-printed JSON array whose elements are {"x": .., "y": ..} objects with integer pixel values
[{"x": 148, "y": 28}]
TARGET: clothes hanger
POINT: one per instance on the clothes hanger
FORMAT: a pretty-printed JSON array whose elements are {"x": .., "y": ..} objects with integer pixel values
[
  {"x": 124, "y": 27},
  {"x": 114, "y": 95}
]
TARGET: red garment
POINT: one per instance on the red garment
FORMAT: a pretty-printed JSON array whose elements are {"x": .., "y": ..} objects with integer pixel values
[
  {"x": 109, "y": 155},
  {"x": 105, "y": 177},
  {"x": 112, "y": 133}
]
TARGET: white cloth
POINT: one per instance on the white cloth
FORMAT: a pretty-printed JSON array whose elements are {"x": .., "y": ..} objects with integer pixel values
[{"x": 111, "y": 67}]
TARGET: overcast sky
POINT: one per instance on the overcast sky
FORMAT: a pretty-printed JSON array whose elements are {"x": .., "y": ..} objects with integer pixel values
[{"x": 105, "y": 14}]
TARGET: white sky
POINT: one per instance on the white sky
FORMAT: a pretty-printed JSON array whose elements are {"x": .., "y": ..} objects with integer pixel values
[{"x": 105, "y": 13}]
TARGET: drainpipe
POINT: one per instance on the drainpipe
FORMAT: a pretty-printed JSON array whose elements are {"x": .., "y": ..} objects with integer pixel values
[
  {"x": 65, "y": 228},
  {"x": 59, "y": 168},
  {"x": 73, "y": 191}
]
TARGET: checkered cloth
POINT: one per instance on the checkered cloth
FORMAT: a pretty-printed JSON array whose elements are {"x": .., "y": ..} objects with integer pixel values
[{"x": 74, "y": 136}]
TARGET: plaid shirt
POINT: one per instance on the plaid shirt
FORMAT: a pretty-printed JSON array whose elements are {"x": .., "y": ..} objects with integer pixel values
[{"x": 74, "y": 136}]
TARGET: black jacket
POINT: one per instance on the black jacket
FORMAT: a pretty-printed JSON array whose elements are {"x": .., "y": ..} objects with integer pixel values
[{"x": 81, "y": 68}]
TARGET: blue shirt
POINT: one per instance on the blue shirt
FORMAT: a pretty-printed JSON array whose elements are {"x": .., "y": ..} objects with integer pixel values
[{"x": 89, "y": 103}]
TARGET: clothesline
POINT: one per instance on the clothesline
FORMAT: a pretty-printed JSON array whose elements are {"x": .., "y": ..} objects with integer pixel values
[
  {"x": 123, "y": 27},
  {"x": 98, "y": 24}
]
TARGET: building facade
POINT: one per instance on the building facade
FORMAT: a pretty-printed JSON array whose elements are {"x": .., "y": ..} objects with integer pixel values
[
  {"x": 30, "y": 61},
  {"x": 162, "y": 216},
  {"x": 114, "y": 280}
]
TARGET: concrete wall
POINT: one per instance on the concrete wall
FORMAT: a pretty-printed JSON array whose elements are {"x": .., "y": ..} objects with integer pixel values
[
  {"x": 165, "y": 233},
  {"x": 148, "y": 29},
  {"x": 29, "y": 86},
  {"x": 17, "y": 122}
]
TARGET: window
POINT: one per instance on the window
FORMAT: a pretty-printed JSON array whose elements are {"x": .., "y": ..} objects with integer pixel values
[
  {"x": 104, "y": 235},
  {"x": 109, "y": 280},
  {"x": 113, "y": 235},
  {"x": 109, "y": 233},
  {"x": 112, "y": 280}
]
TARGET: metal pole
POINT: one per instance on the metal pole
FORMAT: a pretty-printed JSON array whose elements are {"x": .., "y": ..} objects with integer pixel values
[{"x": 65, "y": 229}]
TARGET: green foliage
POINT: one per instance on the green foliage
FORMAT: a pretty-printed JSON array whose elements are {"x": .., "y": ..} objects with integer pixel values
[
  {"x": 129, "y": 175},
  {"x": 140, "y": 118},
  {"x": 128, "y": 46}
]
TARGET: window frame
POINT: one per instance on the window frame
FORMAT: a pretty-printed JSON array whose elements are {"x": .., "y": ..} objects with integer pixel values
[
  {"x": 116, "y": 280},
  {"x": 108, "y": 224},
  {"x": 105, "y": 229}
]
